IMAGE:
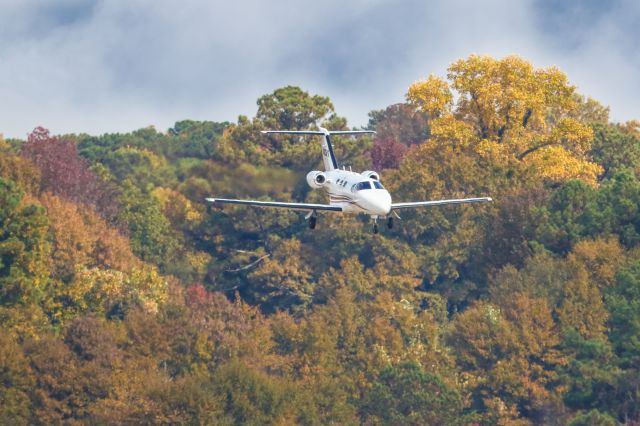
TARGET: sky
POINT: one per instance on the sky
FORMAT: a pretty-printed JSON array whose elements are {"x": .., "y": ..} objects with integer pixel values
[{"x": 102, "y": 66}]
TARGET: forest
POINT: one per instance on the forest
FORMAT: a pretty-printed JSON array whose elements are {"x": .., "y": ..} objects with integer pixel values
[{"x": 126, "y": 299}]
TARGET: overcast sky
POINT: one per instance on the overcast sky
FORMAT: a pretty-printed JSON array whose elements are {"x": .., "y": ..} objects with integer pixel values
[{"x": 101, "y": 66}]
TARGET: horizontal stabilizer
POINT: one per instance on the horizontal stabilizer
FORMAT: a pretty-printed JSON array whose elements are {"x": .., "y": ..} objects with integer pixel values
[
  {"x": 351, "y": 132},
  {"x": 313, "y": 132}
]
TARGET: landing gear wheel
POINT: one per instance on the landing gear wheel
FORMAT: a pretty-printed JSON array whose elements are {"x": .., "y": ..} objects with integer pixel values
[
  {"x": 390, "y": 222},
  {"x": 375, "y": 228},
  {"x": 312, "y": 222}
]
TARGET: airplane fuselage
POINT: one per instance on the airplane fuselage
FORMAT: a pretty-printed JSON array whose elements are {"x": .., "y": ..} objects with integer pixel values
[{"x": 356, "y": 193}]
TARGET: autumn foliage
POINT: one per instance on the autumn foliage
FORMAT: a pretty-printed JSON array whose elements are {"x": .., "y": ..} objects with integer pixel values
[
  {"x": 125, "y": 299},
  {"x": 63, "y": 172}
]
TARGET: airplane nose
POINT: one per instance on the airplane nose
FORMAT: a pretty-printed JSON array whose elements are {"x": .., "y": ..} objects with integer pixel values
[
  {"x": 385, "y": 202},
  {"x": 379, "y": 202}
]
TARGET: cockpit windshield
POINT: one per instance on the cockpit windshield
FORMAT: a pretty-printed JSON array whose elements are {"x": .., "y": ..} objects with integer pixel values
[
  {"x": 362, "y": 185},
  {"x": 377, "y": 185}
]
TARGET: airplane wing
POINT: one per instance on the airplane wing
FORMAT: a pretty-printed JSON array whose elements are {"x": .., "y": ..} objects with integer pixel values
[
  {"x": 291, "y": 132},
  {"x": 292, "y": 206},
  {"x": 439, "y": 203}
]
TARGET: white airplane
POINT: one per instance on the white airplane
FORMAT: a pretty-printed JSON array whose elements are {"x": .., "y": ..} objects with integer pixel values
[{"x": 349, "y": 192}]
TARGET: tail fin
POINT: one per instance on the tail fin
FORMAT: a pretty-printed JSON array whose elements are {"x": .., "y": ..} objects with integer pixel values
[{"x": 328, "y": 157}]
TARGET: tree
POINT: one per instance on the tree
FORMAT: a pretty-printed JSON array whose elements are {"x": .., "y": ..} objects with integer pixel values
[
  {"x": 282, "y": 280},
  {"x": 397, "y": 127},
  {"x": 400, "y": 123},
  {"x": 16, "y": 382},
  {"x": 542, "y": 276},
  {"x": 508, "y": 110},
  {"x": 582, "y": 307},
  {"x": 622, "y": 300},
  {"x": 618, "y": 208},
  {"x": 509, "y": 357},
  {"x": 66, "y": 174},
  {"x": 252, "y": 397},
  {"x": 81, "y": 238},
  {"x": 24, "y": 256},
  {"x": 406, "y": 394},
  {"x": 590, "y": 111},
  {"x": 387, "y": 154},
  {"x": 601, "y": 259},
  {"x": 196, "y": 138},
  {"x": 187, "y": 220},
  {"x": 615, "y": 149},
  {"x": 59, "y": 384},
  {"x": 151, "y": 236},
  {"x": 289, "y": 108},
  {"x": 141, "y": 166},
  {"x": 592, "y": 418},
  {"x": 570, "y": 214},
  {"x": 591, "y": 375},
  {"x": 112, "y": 293},
  {"x": 510, "y": 228},
  {"x": 19, "y": 170},
  {"x": 216, "y": 330},
  {"x": 101, "y": 148}
]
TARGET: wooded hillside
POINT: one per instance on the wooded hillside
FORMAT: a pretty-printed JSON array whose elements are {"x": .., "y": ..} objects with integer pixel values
[{"x": 124, "y": 298}]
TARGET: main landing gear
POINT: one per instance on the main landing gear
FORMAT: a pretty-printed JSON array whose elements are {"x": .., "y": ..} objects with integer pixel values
[
  {"x": 312, "y": 217},
  {"x": 390, "y": 222}
]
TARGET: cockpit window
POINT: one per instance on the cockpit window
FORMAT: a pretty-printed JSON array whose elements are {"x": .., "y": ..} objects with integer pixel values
[
  {"x": 363, "y": 185},
  {"x": 377, "y": 185}
]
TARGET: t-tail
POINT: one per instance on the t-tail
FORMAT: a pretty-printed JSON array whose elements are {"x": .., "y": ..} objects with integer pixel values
[{"x": 328, "y": 156}]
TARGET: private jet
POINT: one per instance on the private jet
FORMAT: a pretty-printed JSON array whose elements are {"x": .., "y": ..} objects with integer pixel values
[{"x": 349, "y": 192}]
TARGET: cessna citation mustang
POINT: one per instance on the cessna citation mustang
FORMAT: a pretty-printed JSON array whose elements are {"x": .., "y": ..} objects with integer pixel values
[{"x": 348, "y": 191}]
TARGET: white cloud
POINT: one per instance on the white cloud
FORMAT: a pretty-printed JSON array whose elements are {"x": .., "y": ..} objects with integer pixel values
[{"x": 103, "y": 66}]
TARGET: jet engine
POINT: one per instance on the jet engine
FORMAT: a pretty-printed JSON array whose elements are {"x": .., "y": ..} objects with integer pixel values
[
  {"x": 316, "y": 179},
  {"x": 371, "y": 175}
]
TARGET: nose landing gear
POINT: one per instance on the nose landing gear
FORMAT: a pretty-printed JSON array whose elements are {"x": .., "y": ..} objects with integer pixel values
[{"x": 390, "y": 222}]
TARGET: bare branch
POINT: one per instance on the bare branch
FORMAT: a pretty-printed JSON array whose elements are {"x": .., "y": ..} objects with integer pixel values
[
  {"x": 535, "y": 148},
  {"x": 252, "y": 264}
]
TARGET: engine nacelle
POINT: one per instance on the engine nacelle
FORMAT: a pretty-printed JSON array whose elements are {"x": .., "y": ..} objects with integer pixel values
[
  {"x": 371, "y": 175},
  {"x": 316, "y": 179}
]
